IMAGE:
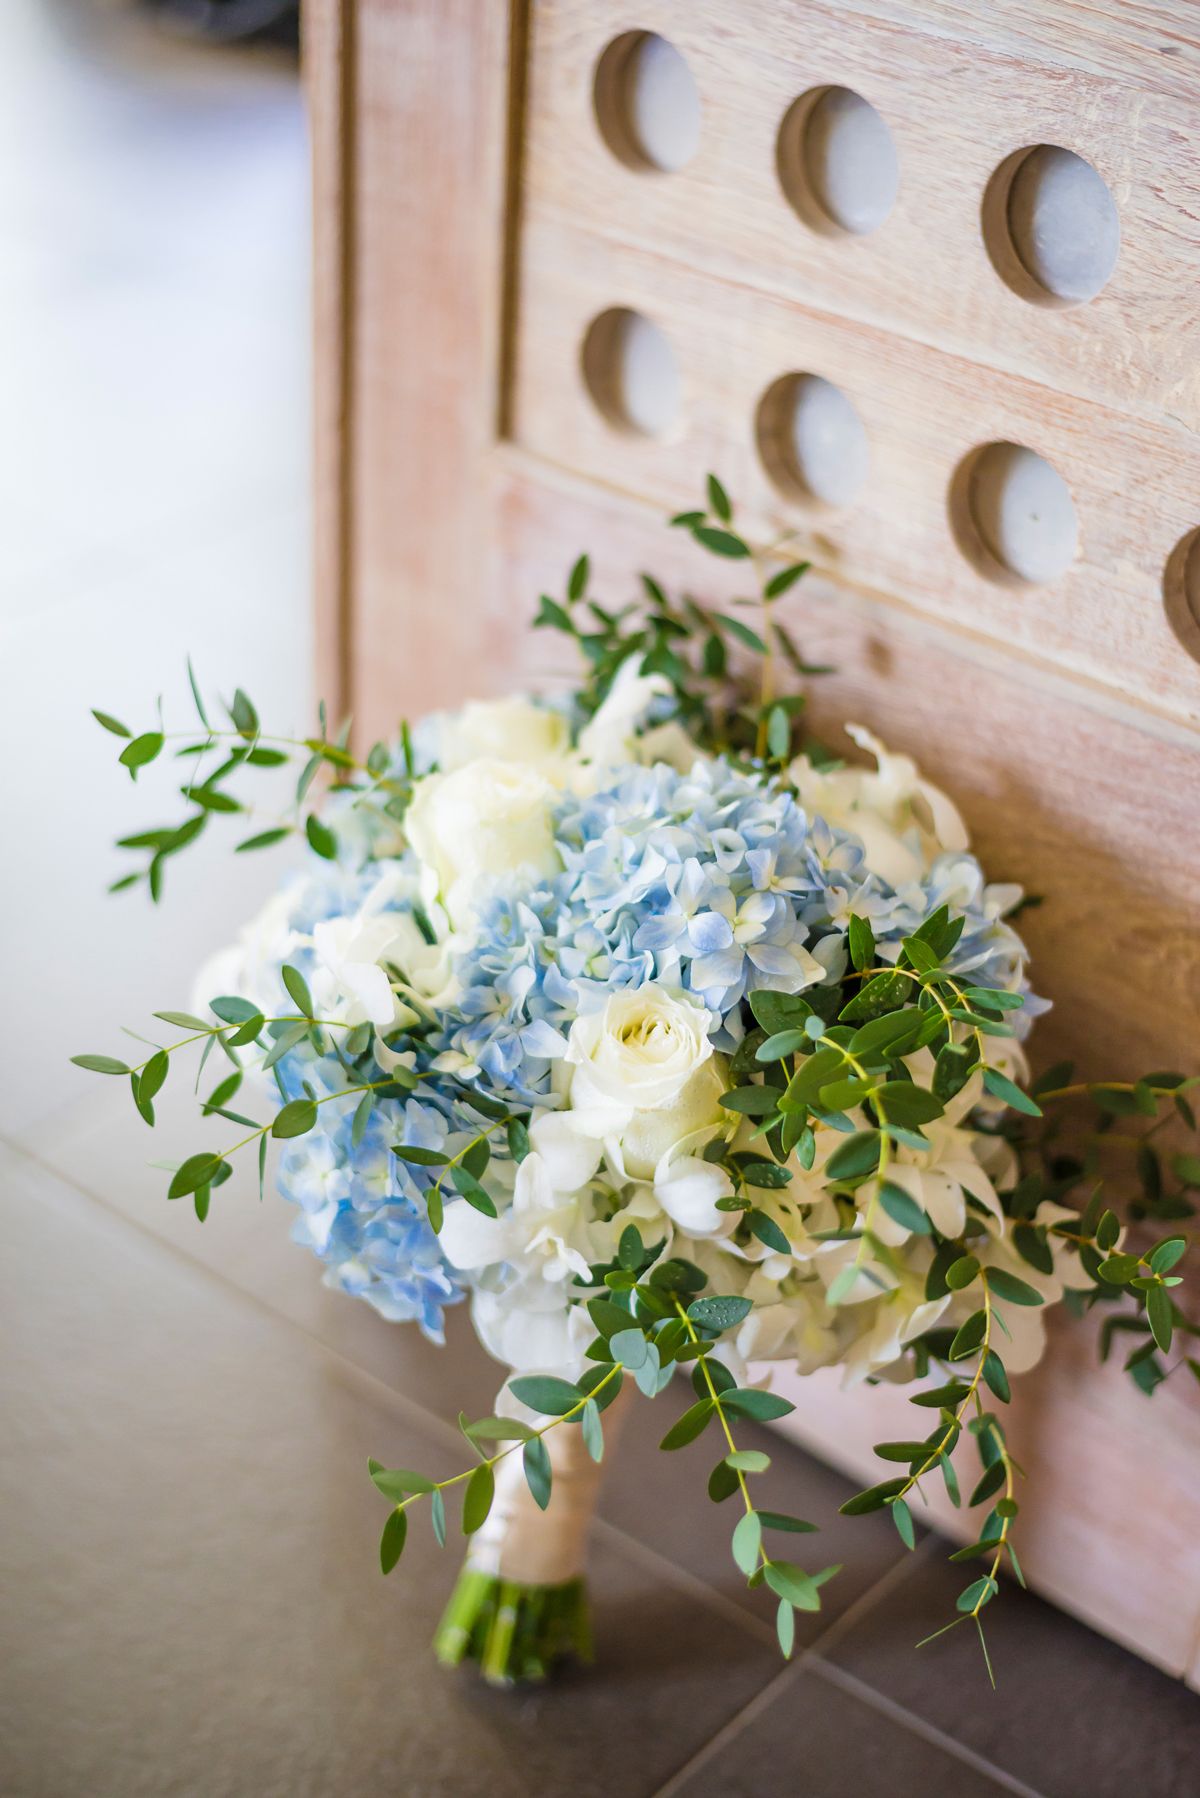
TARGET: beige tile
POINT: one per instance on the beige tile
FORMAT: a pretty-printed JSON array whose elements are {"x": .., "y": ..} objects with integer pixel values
[{"x": 192, "y": 1599}]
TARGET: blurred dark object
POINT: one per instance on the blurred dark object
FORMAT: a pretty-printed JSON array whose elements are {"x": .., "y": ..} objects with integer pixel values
[{"x": 233, "y": 21}]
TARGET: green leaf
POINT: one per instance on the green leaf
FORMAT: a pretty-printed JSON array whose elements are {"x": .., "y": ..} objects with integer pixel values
[
  {"x": 245, "y": 718},
  {"x": 903, "y": 1209},
  {"x": 546, "y": 1393},
  {"x": 778, "y": 1520},
  {"x": 264, "y": 839},
  {"x": 1159, "y": 1311},
  {"x": 720, "y": 1313},
  {"x": 295, "y": 1119},
  {"x": 960, "y": 1273},
  {"x": 857, "y": 1156},
  {"x": 861, "y": 942},
  {"x": 902, "y": 1518},
  {"x": 321, "y": 839},
  {"x": 142, "y": 750},
  {"x": 197, "y": 1171},
  {"x": 1165, "y": 1255},
  {"x": 748, "y": 1460},
  {"x": 718, "y": 500},
  {"x": 900, "y": 1102},
  {"x": 1119, "y": 1269},
  {"x": 785, "y": 1628},
  {"x": 398, "y": 1482},
  {"x": 1008, "y": 1286},
  {"x": 721, "y": 543},
  {"x": 993, "y": 998},
  {"x": 873, "y": 1499},
  {"x": 535, "y": 1458},
  {"x": 499, "y": 1429},
  {"x": 741, "y": 633},
  {"x": 477, "y": 1501},
  {"x": 747, "y": 1542},
  {"x": 629, "y": 1347},
  {"x": 469, "y": 1188},
  {"x": 685, "y": 1429},
  {"x": 751, "y": 1101},
  {"x": 787, "y": 577},
  {"x": 763, "y": 1407},
  {"x": 779, "y": 733},
  {"x": 232, "y": 1010},
  {"x": 989, "y": 1484},
  {"x": 791, "y": 1582},
  {"x": 552, "y": 614},
  {"x": 577, "y": 580},
  {"x": 420, "y": 1157},
  {"x": 765, "y": 1174},
  {"x": 391, "y": 1543},
  {"x": 723, "y": 1480},
  {"x": 110, "y": 723},
  {"x": 995, "y": 1373},
  {"x": 969, "y": 1336},
  {"x": 953, "y": 1068},
  {"x": 883, "y": 993},
  {"x": 297, "y": 987},
  {"x": 517, "y": 1136},
  {"x": 101, "y": 1064},
  {"x": 153, "y": 1075},
  {"x": 976, "y": 1594},
  {"x": 592, "y": 1430},
  {"x": 768, "y": 1231},
  {"x": 437, "y": 1517},
  {"x": 1001, "y": 1087}
]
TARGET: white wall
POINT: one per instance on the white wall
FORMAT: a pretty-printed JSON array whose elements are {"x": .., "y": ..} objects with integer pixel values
[{"x": 153, "y": 500}]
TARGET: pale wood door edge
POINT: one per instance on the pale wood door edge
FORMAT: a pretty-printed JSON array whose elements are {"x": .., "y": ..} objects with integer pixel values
[{"x": 328, "y": 59}]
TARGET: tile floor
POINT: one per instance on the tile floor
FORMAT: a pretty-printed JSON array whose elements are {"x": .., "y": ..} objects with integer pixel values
[{"x": 192, "y": 1602}]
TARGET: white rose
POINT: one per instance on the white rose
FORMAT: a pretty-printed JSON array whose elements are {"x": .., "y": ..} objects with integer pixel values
[
  {"x": 502, "y": 730},
  {"x": 485, "y": 819},
  {"x": 643, "y": 1076}
]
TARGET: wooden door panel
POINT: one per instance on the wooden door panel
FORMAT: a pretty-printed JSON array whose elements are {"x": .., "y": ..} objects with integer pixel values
[{"x": 471, "y": 222}]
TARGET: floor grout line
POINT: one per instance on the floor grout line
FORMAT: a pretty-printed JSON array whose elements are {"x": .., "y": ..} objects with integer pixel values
[
  {"x": 866, "y": 1602},
  {"x": 918, "y": 1726}
]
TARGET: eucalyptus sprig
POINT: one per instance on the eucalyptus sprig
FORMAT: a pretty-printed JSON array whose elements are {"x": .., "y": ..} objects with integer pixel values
[
  {"x": 652, "y": 1316},
  {"x": 378, "y": 781}
]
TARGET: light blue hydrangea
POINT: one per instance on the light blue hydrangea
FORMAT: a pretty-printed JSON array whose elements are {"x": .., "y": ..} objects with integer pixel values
[
  {"x": 715, "y": 882},
  {"x": 362, "y": 1210}
]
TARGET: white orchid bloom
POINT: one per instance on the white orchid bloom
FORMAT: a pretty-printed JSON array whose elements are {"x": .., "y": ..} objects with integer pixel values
[{"x": 539, "y": 1231}]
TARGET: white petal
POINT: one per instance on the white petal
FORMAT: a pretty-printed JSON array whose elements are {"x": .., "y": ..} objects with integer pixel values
[
  {"x": 469, "y": 1239},
  {"x": 688, "y": 1190},
  {"x": 570, "y": 1158}
]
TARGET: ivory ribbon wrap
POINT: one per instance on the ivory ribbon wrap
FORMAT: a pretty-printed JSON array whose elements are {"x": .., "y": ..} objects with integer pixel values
[{"x": 532, "y": 1547}]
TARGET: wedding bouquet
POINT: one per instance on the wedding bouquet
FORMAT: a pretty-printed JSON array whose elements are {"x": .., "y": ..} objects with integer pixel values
[{"x": 672, "y": 1045}]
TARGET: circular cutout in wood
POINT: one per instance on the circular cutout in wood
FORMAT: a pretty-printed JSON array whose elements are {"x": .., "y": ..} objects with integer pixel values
[
  {"x": 646, "y": 102},
  {"x": 1181, "y": 592},
  {"x": 631, "y": 372},
  {"x": 1013, "y": 516},
  {"x": 811, "y": 440},
  {"x": 837, "y": 162},
  {"x": 1051, "y": 227}
]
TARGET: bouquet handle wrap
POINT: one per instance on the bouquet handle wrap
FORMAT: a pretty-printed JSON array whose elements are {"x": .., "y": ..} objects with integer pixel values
[
  {"x": 522, "y": 1543},
  {"x": 520, "y": 1604}
]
